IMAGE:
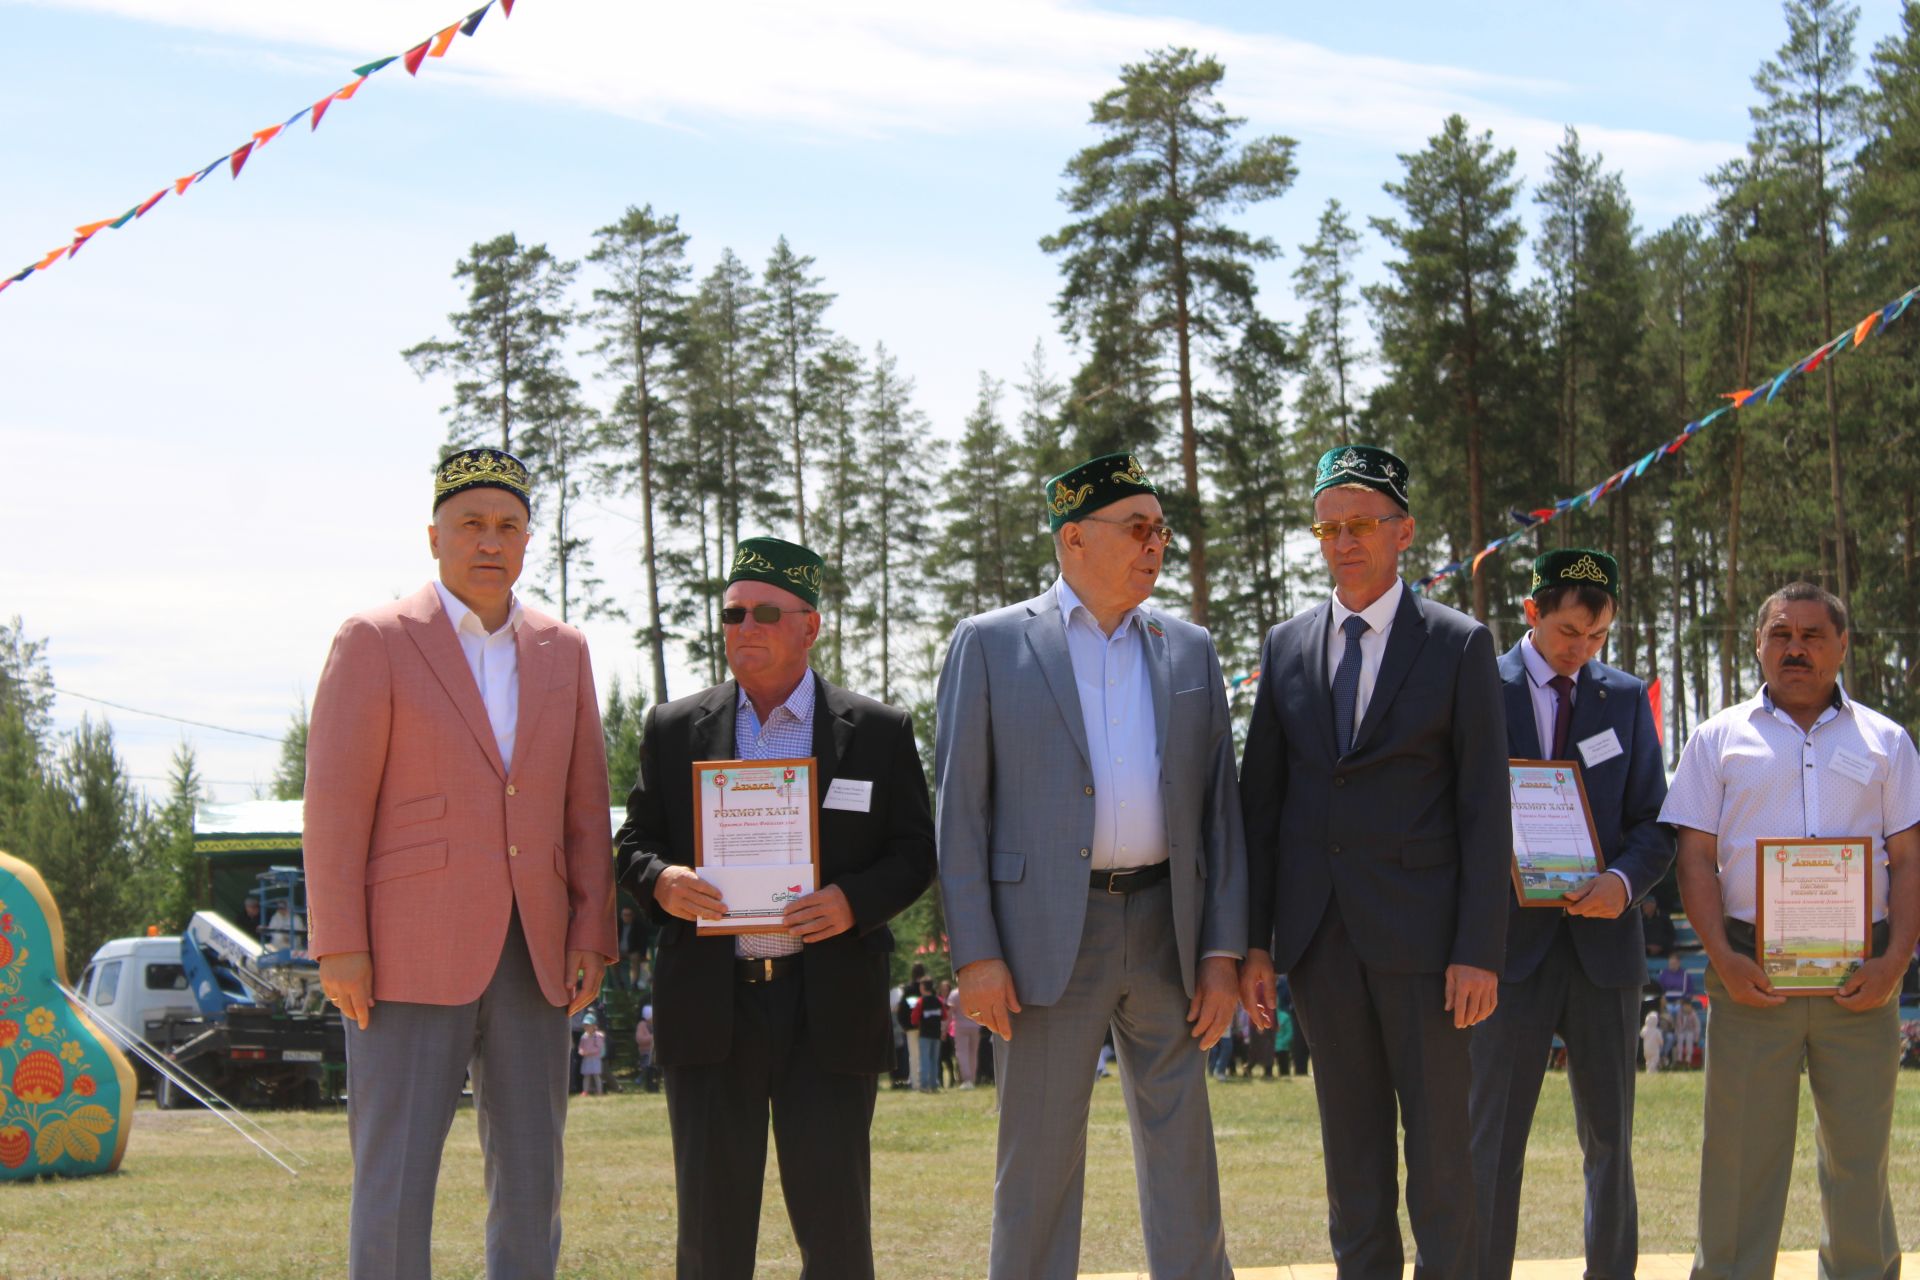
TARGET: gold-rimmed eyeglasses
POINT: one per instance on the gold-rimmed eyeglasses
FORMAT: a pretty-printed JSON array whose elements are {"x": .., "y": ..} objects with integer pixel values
[
  {"x": 1147, "y": 531},
  {"x": 1359, "y": 526}
]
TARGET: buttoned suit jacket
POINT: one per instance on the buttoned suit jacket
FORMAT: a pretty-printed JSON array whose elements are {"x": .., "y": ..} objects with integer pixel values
[
  {"x": 419, "y": 843},
  {"x": 1625, "y": 794},
  {"x": 1410, "y": 830},
  {"x": 1015, "y": 787},
  {"x": 880, "y": 858}
]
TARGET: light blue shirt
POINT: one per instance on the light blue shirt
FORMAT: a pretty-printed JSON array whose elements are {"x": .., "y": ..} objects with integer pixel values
[
  {"x": 1116, "y": 706},
  {"x": 1545, "y": 704},
  {"x": 787, "y": 735}
]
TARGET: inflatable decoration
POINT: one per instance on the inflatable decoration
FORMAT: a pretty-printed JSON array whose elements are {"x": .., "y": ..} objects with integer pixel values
[{"x": 66, "y": 1091}]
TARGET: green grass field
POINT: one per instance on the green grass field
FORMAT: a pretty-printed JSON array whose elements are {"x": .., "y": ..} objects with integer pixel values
[{"x": 192, "y": 1200}]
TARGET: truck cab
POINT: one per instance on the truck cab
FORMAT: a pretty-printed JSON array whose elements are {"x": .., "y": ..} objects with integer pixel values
[{"x": 138, "y": 982}]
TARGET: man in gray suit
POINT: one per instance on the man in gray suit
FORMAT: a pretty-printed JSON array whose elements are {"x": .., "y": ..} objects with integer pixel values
[{"x": 1093, "y": 874}]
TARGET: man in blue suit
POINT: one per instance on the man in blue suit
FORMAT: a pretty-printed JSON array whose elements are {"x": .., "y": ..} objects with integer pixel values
[
  {"x": 1379, "y": 837},
  {"x": 1578, "y": 971}
]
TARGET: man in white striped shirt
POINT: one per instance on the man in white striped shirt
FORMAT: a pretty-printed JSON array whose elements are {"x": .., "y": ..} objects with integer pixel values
[{"x": 1800, "y": 760}]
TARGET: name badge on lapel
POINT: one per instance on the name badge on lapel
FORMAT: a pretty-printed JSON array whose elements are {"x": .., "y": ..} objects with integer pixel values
[
  {"x": 1600, "y": 747},
  {"x": 848, "y": 794}
]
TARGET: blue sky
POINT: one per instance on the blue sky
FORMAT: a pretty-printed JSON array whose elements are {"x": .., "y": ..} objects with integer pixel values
[{"x": 222, "y": 453}]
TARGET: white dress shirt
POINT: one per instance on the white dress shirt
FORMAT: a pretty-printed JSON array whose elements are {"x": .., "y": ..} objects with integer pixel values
[
  {"x": 1751, "y": 773},
  {"x": 495, "y": 664},
  {"x": 1545, "y": 704},
  {"x": 1373, "y": 643},
  {"x": 1116, "y": 706}
]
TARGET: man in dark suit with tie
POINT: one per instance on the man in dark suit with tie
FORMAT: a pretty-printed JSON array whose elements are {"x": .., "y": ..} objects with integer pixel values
[
  {"x": 794, "y": 1024},
  {"x": 1575, "y": 972},
  {"x": 1374, "y": 786}
]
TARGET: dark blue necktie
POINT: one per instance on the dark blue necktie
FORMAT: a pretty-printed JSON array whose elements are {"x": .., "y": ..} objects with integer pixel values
[{"x": 1346, "y": 684}]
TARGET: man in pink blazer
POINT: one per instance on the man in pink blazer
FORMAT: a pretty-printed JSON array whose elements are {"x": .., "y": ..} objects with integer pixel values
[{"x": 459, "y": 878}]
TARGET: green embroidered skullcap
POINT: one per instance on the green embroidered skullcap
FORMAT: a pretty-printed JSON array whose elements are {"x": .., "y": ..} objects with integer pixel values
[
  {"x": 1099, "y": 482},
  {"x": 1577, "y": 567},
  {"x": 1363, "y": 464},
  {"x": 481, "y": 469},
  {"x": 779, "y": 563}
]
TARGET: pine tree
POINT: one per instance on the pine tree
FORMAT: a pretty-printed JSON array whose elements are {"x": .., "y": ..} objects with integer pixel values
[
  {"x": 1810, "y": 120},
  {"x": 795, "y": 334},
  {"x": 897, "y": 453},
  {"x": 1150, "y": 201},
  {"x": 834, "y": 386},
  {"x": 290, "y": 774},
  {"x": 563, "y": 436},
  {"x": 641, "y": 315},
  {"x": 620, "y": 724},
  {"x": 180, "y": 866},
  {"x": 1328, "y": 339},
  {"x": 1452, "y": 332},
  {"x": 514, "y": 322},
  {"x": 1044, "y": 454},
  {"x": 86, "y": 835},
  {"x": 981, "y": 563},
  {"x": 1256, "y": 474}
]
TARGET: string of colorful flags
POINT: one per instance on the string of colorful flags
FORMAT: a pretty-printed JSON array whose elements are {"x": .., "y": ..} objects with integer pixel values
[
  {"x": 1761, "y": 392},
  {"x": 434, "y": 46}
]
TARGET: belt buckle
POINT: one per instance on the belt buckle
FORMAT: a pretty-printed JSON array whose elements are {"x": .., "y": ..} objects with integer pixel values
[
  {"x": 766, "y": 968},
  {"x": 1114, "y": 877}
]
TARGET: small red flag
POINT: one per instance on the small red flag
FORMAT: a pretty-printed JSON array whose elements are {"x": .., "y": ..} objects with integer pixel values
[
  {"x": 319, "y": 109},
  {"x": 414, "y": 57},
  {"x": 1659, "y": 718},
  {"x": 239, "y": 158},
  {"x": 150, "y": 201},
  {"x": 506, "y": 7}
]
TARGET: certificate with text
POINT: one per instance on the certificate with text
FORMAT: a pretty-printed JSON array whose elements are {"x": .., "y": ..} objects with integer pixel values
[
  {"x": 756, "y": 838},
  {"x": 1555, "y": 847},
  {"x": 1813, "y": 912}
]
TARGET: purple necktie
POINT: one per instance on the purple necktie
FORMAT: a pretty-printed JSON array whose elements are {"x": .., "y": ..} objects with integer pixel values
[{"x": 1562, "y": 687}]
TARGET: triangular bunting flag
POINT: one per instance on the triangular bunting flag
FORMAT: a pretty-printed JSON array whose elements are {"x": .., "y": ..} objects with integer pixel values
[
  {"x": 261, "y": 137},
  {"x": 91, "y": 227},
  {"x": 202, "y": 175},
  {"x": 351, "y": 89},
  {"x": 79, "y": 243},
  {"x": 414, "y": 57},
  {"x": 1862, "y": 330},
  {"x": 151, "y": 201},
  {"x": 50, "y": 259},
  {"x": 295, "y": 116},
  {"x": 441, "y": 41},
  {"x": 239, "y": 157},
  {"x": 320, "y": 109},
  {"x": 1778, "y": 382},
  {"x": 506, "y": 7},
  {"x": 371, "y": 67},
  {"x": 125, "y": 218},
  {"x": 472, "y": 24},
  {"x": 23, "y": 275}
]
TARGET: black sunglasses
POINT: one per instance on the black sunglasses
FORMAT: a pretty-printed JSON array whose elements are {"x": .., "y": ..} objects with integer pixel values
[{"x": 764, "y": 614}]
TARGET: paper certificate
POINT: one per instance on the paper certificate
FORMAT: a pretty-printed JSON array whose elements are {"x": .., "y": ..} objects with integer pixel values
[
  {"x": 1555, "y": 847},
  {"x": 1813, "y": 912},
  {"x": 756, "y": 838}
]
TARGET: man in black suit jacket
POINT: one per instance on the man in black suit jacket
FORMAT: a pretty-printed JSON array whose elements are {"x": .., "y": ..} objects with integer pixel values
[
  {"x": 796, "y": 1022},
  {"x": 1578, "y": 971},
  {"x": 1374, "y": 787}
]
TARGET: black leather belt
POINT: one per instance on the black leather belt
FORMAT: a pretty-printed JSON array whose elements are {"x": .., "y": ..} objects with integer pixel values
[
  {"x": 1129, "y": 879},
  {"x": 765, "y": 968}
]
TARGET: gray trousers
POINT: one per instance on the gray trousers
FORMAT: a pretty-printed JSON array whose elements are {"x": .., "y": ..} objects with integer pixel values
[
  {"x": 1510, "y": 1064},
  {"x": 404, "y": 1074},
  {"x": 1754, "y": 1057},
  {"x": 1127, "y": 975}
]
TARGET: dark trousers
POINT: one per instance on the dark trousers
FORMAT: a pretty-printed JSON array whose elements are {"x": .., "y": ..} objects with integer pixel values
[
  {"x": 1385, "y": 1048},
  {"x": 821, "y": 1120},
  {"x": 1599, "y": 1026}
]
